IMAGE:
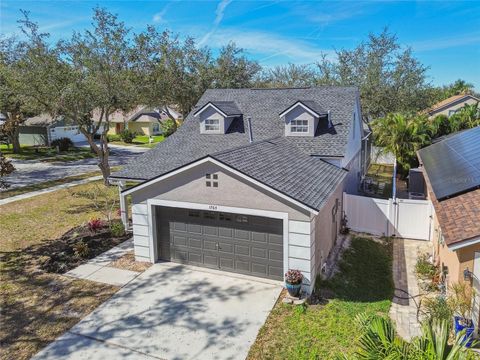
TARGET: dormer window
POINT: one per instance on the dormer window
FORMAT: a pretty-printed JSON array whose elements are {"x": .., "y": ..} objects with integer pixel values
[
  {"x": 302, "y": 118},
  {"x": 299, "y": 126},
  {"x": 215, "y": 117},
  {"x": 212, "y": 125}
]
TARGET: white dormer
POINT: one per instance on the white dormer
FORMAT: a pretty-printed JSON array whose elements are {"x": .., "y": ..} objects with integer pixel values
[
  {"x": 216, "y": 117},
  {"x": 301, "y": 119}
]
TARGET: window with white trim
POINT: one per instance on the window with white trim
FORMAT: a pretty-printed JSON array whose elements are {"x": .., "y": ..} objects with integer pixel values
[
  {"x": 212, "y": 125},
  {"x": 299, "y": 126}
]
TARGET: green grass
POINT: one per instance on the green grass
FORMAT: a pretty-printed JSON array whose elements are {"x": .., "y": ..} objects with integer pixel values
[
  {"x": 364, "y": 284},
  {"x": 142, "y": 140},
  {"x": 382, "y": 173},
  {"x": 44, "y": 153}
]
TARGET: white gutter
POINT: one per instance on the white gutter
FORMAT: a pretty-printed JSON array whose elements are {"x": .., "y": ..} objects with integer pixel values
[{"x": 463, "y": 244}]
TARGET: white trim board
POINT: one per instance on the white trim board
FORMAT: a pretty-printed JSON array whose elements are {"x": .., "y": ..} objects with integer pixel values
[
  {"x": 305, "y": 107},
  {"x": 226, "y": 167},
  {"x": 464, "y": 244},
  {"x": 151, "y": 203}
]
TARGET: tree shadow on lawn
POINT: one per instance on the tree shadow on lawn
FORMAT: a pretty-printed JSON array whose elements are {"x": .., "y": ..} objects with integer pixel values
[{"x": 365, "y": 273}]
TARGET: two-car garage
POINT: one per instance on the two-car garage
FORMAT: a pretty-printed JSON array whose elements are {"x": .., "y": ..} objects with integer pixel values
[{"x": 245, "y": 244}]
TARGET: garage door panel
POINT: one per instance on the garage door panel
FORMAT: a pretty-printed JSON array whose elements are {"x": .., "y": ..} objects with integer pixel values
[
  {"x": 242, "y": 234},
  {"x": 230, "y": 242}
]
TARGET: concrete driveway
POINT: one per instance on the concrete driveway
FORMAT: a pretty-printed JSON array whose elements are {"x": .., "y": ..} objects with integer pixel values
[{"x": 172, "y": 312}]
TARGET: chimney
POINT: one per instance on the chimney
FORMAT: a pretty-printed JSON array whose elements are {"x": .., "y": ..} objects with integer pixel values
[{"x": 250, "y": 131}]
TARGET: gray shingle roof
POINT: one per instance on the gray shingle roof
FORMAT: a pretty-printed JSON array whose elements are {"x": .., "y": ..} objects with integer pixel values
[
  {"x": 282, "y": 166},
  {"x": 263, "y": 106},
  {"x": 312, "y": 105}
]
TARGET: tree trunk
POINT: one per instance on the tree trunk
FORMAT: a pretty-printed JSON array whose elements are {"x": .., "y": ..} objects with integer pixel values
[
  {"x": 102, "y": 152},
  {"x": 14, "y": 139}
]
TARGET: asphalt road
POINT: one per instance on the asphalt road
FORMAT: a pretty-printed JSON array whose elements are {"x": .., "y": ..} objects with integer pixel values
[{"x": 29, "y": 172}]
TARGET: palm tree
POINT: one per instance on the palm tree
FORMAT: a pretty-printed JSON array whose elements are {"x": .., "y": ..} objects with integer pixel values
[
  {"x": 466, "y": 118},
  {"x": 403, "y": 135},
  {"x": 379, "y": 340}
]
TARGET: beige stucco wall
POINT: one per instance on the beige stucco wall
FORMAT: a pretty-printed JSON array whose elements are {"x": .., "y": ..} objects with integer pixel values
[
  {"x": 457, "y": 106},
  {"x": 140, "y": 127},
  {"x": 326, "y": 230}
]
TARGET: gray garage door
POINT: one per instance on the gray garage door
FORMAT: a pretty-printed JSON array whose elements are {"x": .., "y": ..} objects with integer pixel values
[{"x": 244, "y": 244}]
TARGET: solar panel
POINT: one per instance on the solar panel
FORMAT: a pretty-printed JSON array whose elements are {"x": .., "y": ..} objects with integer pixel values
[{"x": 453, "y": 164}]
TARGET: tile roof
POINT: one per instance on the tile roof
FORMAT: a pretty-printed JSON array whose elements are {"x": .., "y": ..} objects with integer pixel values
[
  {"x": 262, "y": 105},
  {"x": 281, "y": 165},
  {"x": 448, "y": 101}
]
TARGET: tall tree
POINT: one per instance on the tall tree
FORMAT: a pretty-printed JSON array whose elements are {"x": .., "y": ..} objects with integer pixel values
[
  {"x": 290, "y": 75},
  {"x": 96, "y": 80}
]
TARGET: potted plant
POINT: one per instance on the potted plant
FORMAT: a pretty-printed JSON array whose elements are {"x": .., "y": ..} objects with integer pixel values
[
  {"x": 293, "y": 282},
  {"x": 461, "y": 301}
]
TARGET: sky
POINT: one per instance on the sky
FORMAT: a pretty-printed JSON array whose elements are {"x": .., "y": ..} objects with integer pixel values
[{"x": 444, "y": 35}]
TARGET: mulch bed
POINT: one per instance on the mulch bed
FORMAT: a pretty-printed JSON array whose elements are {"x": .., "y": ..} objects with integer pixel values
[
  {"x": 75, "y": 247},
  {"x": 127, "y": 262}
]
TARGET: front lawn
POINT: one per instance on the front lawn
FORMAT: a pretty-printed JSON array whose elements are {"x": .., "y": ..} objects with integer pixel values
[
  {"x": 37, "y": 306},
  {"x": 45, "y": 153},
  {"x": 363, "y": 284},
  {"x": 142, "y": 140}
]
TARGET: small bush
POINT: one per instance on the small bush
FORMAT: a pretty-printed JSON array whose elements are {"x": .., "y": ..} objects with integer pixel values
[
  {"x": 424, "y": 268},
  {"x": 94, "y": 224},
  {"x": 127, "y": 136},
  {"x": 114, "y": 137},
  {"x": 81, "y": 249},
  {"x": 437, "y": 308},
  {"x": 63, "y": 143},
  {"x": 117, "y": 229},
  {"x": 168, "y": 127}
]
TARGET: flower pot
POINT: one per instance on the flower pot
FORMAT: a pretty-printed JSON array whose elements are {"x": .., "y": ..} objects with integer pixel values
[
  {"x": 459, "y": 326},
  {"x": 293, "y": 289}
]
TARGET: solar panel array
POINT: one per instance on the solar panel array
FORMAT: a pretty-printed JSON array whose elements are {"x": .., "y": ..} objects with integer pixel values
[{"x": 453, "y": 165}]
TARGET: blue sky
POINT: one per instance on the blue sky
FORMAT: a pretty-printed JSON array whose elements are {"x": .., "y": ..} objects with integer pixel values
[{"x": 444, "y": 35}]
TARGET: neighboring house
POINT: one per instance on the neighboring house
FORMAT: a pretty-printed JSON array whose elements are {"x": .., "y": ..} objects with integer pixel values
[
  {"x": 142, "y": 120},
  {"x": 42, "y": 129},
  {"x": 251, "y": 183},
  {"x": 452, "y": 173},
  {"x": 451, "y": 105}
]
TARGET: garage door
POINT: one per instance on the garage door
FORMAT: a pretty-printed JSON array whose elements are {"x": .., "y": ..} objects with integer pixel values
[
  {"x": 71, "y": 132},
  {"x": 244, "y": 244}
]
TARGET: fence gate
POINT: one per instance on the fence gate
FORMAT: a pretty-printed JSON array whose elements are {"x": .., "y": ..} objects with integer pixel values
[{"x": 404, "y": 218}]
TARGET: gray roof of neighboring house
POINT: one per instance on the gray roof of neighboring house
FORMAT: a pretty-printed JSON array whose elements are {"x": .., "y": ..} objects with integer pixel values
[
  {"x": 42, "y": 120},
  {"x": 279, "y": 164},
  {"x": 262, "y": 105}
]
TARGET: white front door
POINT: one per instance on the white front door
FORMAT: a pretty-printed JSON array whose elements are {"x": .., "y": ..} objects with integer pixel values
[{"x": 476, "y": 287}]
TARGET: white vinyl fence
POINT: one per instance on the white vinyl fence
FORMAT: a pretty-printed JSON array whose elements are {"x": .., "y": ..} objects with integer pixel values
[{"x": 404, "y": 218}]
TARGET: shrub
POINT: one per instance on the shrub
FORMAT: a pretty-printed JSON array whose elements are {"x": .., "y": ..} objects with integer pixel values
[
  {"x": 424, "y": 268},
  {"x": 117, "y": 229},
  {"x": 63, "y": 143},
  {"x": 94, "y": 224},
  {"x": 127, "y": 136},
  {"x": 293, "y": 276},
  {"x": 81, "y": 249},
  {"x": 168, "y": 127},
  {"x": 114, "y": 137},
  {"x": 460, "y": 300},
  {"x": 437, "y": 308}
]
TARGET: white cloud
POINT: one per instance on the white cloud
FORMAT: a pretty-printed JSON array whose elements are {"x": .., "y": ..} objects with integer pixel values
[
  {"x": 159, "y": 17},
  {"x": 219, "y": 13},
  {"x": 270, "y": 46}
]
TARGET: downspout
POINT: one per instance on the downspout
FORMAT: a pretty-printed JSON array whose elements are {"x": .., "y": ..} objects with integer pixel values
[{"x": 123, "y": 204}]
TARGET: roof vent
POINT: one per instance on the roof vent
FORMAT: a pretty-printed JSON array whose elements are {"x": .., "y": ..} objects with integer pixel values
[
  {"x": 329, "y": 118},
  {"x": 250, "y": 132}
]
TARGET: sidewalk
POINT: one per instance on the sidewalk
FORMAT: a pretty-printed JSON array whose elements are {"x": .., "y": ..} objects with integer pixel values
[
  {"x": 48, "y": 190},
  {"x": 406, "y": 298},
  {"x": 98, "y": 269}
]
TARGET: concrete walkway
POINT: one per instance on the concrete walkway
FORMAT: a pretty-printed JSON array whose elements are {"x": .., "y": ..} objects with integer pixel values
[
  {"x": 406, "y": 300},
  {"x": 48, "y": 190},
  {"x": 97, "y": 269},
  {"x": 173, "y": 312}
]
